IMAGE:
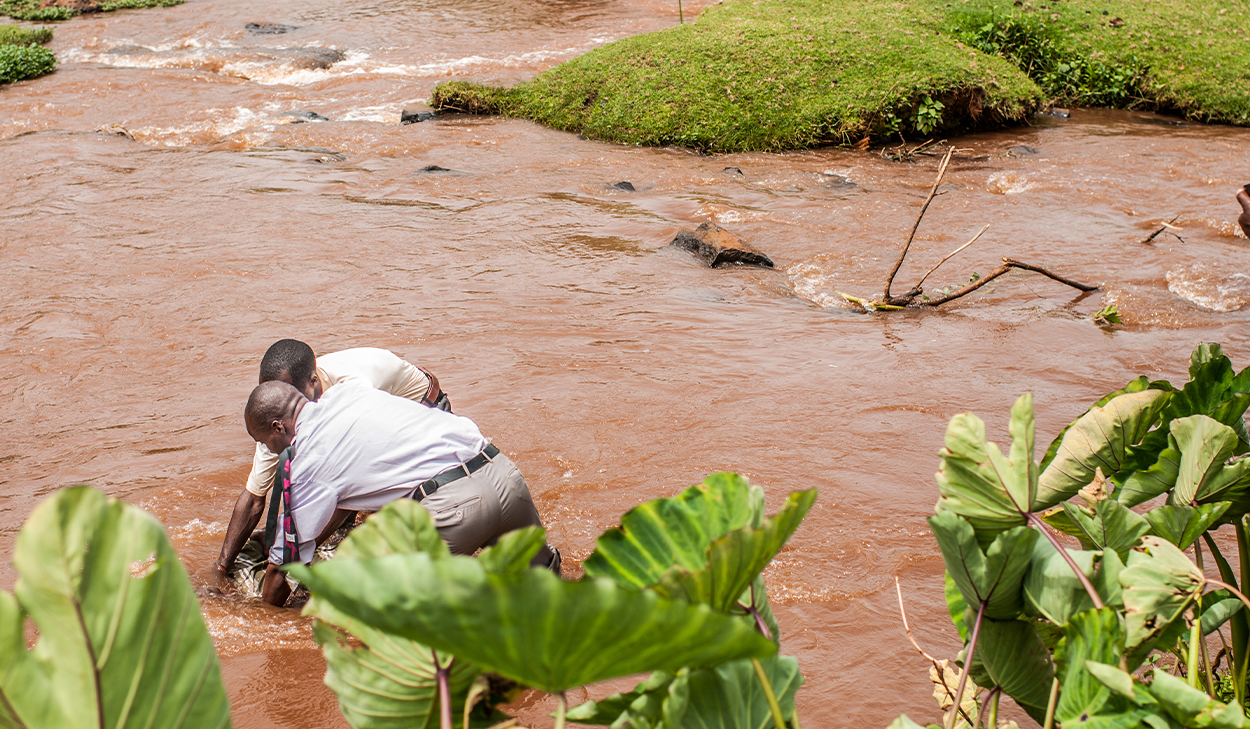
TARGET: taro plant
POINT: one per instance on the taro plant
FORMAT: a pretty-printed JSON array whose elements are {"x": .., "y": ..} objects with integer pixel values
[
  {"x": 675, "y": 590},
  {"x": 1084, "y": 636},
  {"x": 121, "y": 640}
]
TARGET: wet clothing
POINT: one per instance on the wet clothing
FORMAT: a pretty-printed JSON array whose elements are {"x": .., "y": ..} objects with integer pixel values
[
  {"x": 376, "y": 368},
  {"x": 359, "y": 448}
]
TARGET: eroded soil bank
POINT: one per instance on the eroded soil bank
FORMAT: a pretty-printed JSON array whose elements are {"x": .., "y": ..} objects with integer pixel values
[{"x": 145, "y": 278}]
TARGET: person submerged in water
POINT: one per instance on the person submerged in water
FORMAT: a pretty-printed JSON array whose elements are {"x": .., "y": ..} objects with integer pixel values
[
  {"x": 293, "y": 362},
  {"x": 358, "y": 449},
  {"x": 1243, "y": 197}
]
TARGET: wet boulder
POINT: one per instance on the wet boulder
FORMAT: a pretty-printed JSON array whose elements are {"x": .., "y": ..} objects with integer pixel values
[
  {"x": 299, "y": 116},
  {"x": 623, "y": 185},
  {"x": 416, "y": 115},
  {"x": 268, "y": 28},
  {"x": 311, "y": 58},
  {"x": 717, "y": 247}
]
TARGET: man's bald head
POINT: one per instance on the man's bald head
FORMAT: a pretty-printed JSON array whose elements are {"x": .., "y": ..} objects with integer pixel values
[{"x": 271, "y": 412}]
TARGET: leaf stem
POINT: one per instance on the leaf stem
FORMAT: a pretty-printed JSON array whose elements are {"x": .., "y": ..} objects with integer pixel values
[
  {"x": 963, "y": 676},
  {"x": 560, "y": 711},
  {"x": 993, "y": 720},
  {"x": 442, "y": 674},
  {"x": 1051, "y": 703},
  {"x": 769, "y": 695},
  {"x": 1080, "y": 575},
  {"x": 1202, "y": 638}
]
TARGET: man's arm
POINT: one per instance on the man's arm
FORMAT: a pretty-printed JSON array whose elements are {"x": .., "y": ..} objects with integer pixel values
[
  {"x": 247, "y": 512},
  {"x": 275, "y": 591}
]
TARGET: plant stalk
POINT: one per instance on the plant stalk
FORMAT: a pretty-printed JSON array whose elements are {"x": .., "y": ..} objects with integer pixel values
[
  {"x": 1202, "y": 638},
  {"x": 993, "y": 721},
  {"x": 769, "y": 695},
  {"x": 932, "y": 193},
  {"x": 560, "y": 711},
  {"x": 1080, "y": 575},
  {"x": 680, "y": 17},
  {"x": 794, "y": 719},
  {"x": 1195, "y": 637},
  {"x": 442, "y": 674},
  {"x": 1051, "y": 703},
  {"x": 1241, "y": 648},
  {"x": 963, "y": 675}
]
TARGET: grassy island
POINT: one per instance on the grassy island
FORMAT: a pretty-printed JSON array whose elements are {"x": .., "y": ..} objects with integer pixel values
[
  {"x": 21, "y": 54},
  {"x": 41, "y": 11},
  {"x": 787, "y": 74}
]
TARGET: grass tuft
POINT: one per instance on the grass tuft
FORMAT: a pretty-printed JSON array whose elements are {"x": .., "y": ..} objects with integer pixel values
[
  {"x": 16, "y": 35},
  {"x": 30, "y": 10},
  {"x": 786, "y": 74}
]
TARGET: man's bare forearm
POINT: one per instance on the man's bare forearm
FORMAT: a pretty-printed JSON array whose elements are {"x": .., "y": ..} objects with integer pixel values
[{"x": 247, "y": 512}]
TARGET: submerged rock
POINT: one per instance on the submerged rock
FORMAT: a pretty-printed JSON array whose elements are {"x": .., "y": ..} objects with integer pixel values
[
  {"x": 301, "y": 116},
  {"x": 625, "y": 185},
  {"x": 717, "y": 247},
  {"x": 1021, "y": 150},
  {"x": 268, "y": 28},
  {"x": 413, "y": 115}
]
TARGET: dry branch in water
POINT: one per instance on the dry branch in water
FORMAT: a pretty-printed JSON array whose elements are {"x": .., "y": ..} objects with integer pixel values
[
  {"x": 1165, "y": 226},
  {"x": 915, "y": 298}
]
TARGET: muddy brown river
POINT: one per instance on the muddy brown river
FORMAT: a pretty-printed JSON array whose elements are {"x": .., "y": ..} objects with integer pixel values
[{"x": 144, "y": 278}]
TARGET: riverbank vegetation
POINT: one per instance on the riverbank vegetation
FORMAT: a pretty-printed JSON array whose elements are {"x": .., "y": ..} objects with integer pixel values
[
  {"x": 1126, "y": 631},
  {"x": 43, "y": 12},
  {"x": 784, "y": 74},
  {"x": 21, "y": 54}
]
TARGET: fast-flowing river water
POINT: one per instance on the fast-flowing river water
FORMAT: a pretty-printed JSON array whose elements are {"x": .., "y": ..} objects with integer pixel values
[{"x": 144, "y": 278}]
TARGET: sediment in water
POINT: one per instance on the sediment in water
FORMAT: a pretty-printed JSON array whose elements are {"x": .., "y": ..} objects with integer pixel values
[{"x": 786, "y": 74}]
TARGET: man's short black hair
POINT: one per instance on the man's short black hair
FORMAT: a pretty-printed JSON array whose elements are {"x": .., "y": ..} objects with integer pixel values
[{"x": 291, "y": 356}]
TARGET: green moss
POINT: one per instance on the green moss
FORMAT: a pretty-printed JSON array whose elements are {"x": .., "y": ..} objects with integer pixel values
[
  {"x": 16, "y": 35},
  {"x": 23, "y": 62},
  {"x": 131, "y": 4},
  {"x": 784, "y": 74}
]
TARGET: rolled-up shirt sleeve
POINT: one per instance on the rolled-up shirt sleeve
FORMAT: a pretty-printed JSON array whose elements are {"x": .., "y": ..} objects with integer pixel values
[{"x": 264, "y": 468}]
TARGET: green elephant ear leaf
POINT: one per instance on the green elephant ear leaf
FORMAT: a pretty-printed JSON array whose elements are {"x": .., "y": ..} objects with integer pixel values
[
  {"x": 1109, "y": 525},
  {"x": 514, "y": 550},
  {"x": 1101, "y": 438},
  {"x": 644, "y": 704},
  {"x": 1206, "y": 445},
  {"x": 956, "y": 606},
  {"x": 736, "y": 559},
  {"x": 1182, "y": 525},
  {"x": 1091, "y": 636},
  {"x": 1053, "y": 592},
  {"x": 1159, "y": 584},
  {"x": 661, "y": 533},
  {"x": 993, "y": 577},
  {"x": 993, "y": 492},
  {"x": 1191, "y": 707},
  {"x": 1011, "y": 655},
  {"x": 122, "y": 641},
  {"x": 1218, "y": 607},
  {"x": 401, "y": 527},
  {"x": 531, "y": 627},
  {"x": 729, "y": 696}
]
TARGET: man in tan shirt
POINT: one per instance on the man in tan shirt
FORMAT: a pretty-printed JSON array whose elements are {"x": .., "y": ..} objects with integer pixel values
[{"x": 293, "y": 362}]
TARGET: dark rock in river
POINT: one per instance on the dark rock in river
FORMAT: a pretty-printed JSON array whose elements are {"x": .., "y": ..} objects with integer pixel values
[
  {"x": 838, "y": 182},
  {"x": 717, "y": 247},
  {"x": 733, "y": 170},
  {"x": 268, "y": 28},
  {"x": 307, "y": 58},
  {"x": 625, "y": 185},
  {"x": 1021, "y": 150},
  {"x": 300, "y": 116},
  {"x": 1058, "y": 113},
  {"x": 435, "y": 168},
  {"x": 414, "y": 115}
]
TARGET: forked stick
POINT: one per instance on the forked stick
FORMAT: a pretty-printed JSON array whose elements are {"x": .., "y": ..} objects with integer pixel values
[
  {"x": 951, "y": 255},
  {"x": 1008, "y": 264},
  {"x": 932, "y": 193},
  {"x": 956, "y": 703},
  {"x": 1166, "y": 225}
]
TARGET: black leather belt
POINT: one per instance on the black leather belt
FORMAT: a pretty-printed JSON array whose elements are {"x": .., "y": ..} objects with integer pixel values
[{"x": 455, "y": 473}]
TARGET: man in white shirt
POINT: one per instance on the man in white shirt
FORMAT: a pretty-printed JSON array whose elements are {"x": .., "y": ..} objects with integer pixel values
[
  {"x": 293, "y": 362},
  {"x": 358, "y": 448}
]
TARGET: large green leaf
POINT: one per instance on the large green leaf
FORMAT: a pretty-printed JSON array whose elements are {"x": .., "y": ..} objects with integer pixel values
[
  {"x": 384, "y": 680},
  {"x": 1094, "y": 635},
  {"x": 1009, "y": 654},
  {"x": 1206, "y": 445},
  {"x": 122, "y": 641},
  {"x": 736, "y": 559},
  {"x": 1159, "y": 584},
  {"x": 1099, "y": 439},
  {"x": 1052, "y": 591},
  {"x": 1182, "y": 525},
  {"x": 1191, "y": 707},
  {"x": 993, "y": 492},
  {"x": 1109, "y": 525},
  {"x": 992, "y": 577},
  {"x": 728, "y": 696},
  {"x": 531, "y": 627},
  {"x": 658, "y": 534}
]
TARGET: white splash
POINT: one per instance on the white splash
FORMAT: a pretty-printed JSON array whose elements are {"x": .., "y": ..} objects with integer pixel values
[{"x": 1213, "y": 288}]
